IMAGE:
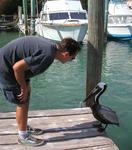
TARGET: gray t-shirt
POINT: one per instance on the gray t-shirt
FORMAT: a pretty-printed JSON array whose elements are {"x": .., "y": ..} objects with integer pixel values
[{"x": 38, "y": 53}]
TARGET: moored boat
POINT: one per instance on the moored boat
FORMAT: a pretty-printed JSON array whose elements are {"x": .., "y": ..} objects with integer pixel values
[
  {"x": 62, "y": 18},
  {"x": 119, "y": 20}
]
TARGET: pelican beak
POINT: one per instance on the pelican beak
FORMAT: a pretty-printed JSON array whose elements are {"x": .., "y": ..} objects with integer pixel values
[
  {"x": 92, "y": 93},
  {"x": 90, "y": 99}
]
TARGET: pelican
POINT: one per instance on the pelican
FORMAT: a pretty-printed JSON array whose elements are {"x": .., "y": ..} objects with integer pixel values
[{"x": 105, "y": 115}]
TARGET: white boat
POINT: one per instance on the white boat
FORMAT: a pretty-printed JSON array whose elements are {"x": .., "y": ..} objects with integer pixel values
[
  {"x": 119, "y": 20},
  {"x": 62, "y": 18}
]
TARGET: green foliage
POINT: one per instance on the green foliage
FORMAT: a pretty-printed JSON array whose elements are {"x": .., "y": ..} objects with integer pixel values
[{"x": 10, "y": 7}]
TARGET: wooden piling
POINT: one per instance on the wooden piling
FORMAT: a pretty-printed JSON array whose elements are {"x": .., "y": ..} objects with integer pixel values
[
  {"x": 20, "y": 12},
  {"x": 106, "y": 19},
  {"x": 95, "y": 43},
  {"x": 25, "y": 16},
  {"x": 32, "y": 25}
]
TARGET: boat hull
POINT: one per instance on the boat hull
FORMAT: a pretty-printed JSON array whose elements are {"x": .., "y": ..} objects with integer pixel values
[
  {"x": 59, "y": 31},
  {"x": 120, "y": 31},
  {"x": 119, "y": 20}
]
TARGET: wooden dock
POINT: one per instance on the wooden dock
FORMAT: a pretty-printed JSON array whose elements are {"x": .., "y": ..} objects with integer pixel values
[{"x": 64, "y": 129}]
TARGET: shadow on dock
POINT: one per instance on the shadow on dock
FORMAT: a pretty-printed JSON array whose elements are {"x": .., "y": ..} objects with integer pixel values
[{"x": 64, "y": 129}]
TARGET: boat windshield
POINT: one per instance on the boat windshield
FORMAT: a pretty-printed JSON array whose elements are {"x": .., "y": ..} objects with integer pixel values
[
  {"x": 119, "y": 19},
  {"x": 78, "y": 15},
  {"x": 118, "y": 1},
  {"x": 58, "y": 16}
]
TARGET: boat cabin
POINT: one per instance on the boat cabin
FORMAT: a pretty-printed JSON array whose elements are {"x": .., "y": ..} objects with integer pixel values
[{"x": 69, "y": 10}]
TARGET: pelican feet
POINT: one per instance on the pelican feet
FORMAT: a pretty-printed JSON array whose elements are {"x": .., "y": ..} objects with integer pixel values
[{"x": 100, "y": 127}]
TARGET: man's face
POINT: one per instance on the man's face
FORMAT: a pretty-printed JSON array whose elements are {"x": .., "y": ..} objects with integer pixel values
[{"x": 65, "y": 57}]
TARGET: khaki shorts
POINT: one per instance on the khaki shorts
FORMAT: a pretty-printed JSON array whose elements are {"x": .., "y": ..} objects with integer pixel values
[{"x": 11, "y": 95}]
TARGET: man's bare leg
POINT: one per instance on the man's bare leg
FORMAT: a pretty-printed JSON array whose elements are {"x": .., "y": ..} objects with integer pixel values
[
  {"x": 22, "y": 116},
  {"x": 22, "y": 113}
]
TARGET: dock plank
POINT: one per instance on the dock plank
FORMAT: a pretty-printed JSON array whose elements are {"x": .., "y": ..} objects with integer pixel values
[
  {"x": 75, "y": 143},
  {"x": 64, "y": 129},
  {"x": 49, "y": 113}
]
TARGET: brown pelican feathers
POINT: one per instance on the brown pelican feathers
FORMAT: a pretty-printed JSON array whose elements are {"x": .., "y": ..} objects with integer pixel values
[{"x": 105, "y": 115}]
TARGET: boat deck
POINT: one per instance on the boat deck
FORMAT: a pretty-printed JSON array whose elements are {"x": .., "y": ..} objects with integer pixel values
[{"x": 64, "y": 129}]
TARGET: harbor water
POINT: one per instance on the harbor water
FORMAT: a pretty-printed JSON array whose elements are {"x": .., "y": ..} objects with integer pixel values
[{"x": 64, "y": 86}]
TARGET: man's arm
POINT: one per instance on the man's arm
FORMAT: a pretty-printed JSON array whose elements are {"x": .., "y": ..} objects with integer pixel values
[{"x": 19, "y": 71}]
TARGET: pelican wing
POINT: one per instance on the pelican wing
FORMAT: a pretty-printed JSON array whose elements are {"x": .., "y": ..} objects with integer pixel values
[
  {"x": 106, "y": 108},
  {"x": 108, "y": 115}
]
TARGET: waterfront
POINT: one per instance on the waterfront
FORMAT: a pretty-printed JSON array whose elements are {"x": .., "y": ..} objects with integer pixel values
[{"x": 63, "y": 86}]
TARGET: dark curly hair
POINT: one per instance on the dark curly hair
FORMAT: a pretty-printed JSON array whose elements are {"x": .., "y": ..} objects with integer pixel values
[{"x": 70, "y": 45}]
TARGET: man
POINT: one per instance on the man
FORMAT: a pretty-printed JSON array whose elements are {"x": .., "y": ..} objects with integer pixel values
[{"x": 22, "y": 59}]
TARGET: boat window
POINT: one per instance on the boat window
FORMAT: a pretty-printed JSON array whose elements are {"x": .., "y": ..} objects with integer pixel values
[
  {"x": 45, "y": 17},
  {"x": 58, "y": 16},
  {"x": 119, "y": 19},
  {"x": 78, "y": 15}
]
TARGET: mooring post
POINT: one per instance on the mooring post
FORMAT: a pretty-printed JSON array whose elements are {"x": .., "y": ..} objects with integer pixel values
[
  {"x": 106, "y": 19},
  {"x": 20, "y": 13},
  {"x": 95, "y": 44},
  {"x": 25, "y": 16},
  {"x": 32, "y": 26}
]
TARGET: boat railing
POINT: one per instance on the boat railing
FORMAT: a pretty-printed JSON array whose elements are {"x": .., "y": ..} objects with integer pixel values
[
  {"x": 7, "y": 18},
  {"x": 73, "y": 20},
  {"x": 8, "y": 22},
  {"x": 120, "y": 19}
]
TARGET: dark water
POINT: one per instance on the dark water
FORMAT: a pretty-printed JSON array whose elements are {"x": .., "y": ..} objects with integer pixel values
[{"x": 63, "y": 86}]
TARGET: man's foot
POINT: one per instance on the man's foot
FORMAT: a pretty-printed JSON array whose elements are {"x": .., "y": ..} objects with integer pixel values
[
  {"x": 34, "y": 131},
  {"x": 31, "y": 141}
]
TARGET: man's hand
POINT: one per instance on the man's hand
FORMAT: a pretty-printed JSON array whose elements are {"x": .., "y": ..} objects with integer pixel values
[
  {"x": 19, "y": 71},
  {"x": 23, "y": 96}
]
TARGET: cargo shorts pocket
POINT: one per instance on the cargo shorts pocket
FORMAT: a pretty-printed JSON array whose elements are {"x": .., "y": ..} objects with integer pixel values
[{"x": 11, "y": 95}]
